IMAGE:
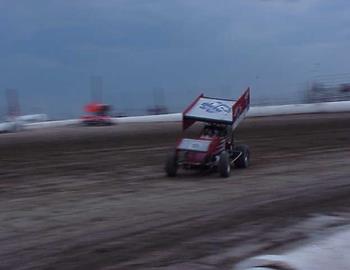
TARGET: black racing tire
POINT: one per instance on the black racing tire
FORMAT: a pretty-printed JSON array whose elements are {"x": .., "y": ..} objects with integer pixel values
[
  {"x": 171, "y": 165},
  {"x": 224, "y": 165},
  {"x": 244, "y": 159}
]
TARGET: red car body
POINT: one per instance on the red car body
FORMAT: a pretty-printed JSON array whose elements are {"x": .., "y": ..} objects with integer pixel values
[
  {"x": 96, "y": 120},
  {"x": 96, "y": 115},
  {"x": 202, "y": 157}
]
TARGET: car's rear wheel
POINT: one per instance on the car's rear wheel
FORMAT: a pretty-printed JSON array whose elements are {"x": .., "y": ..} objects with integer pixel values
[
  {"x": 224, "y": 165},
  {"x": 171, "y": 165},
  {"x": 244, "y": 158}
]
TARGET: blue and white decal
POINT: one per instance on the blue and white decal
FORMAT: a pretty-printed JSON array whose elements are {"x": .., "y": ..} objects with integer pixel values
[
  {"x": 215, "y": 107},
  {"x": 212, "y": 109}
]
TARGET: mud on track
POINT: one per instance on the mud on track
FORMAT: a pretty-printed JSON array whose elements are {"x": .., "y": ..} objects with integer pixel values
[{"x": 97, "y": 198}]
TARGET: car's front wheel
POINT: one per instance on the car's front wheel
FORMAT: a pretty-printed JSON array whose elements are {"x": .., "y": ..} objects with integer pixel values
[
  {"x": 244, "y": 158},
  {"x": 171, "y": 165},
  {"x": 224, "y": 165}
]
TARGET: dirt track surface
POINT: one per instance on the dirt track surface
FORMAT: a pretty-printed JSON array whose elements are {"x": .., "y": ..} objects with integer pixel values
[{"x": 97, "y": 198}]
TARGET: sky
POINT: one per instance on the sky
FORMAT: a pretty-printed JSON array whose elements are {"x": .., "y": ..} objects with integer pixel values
[{"x": 50, "y": 50}]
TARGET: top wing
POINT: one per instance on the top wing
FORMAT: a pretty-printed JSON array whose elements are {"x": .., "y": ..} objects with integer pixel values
[
  {"x": 96, "y": 107},
  {"x": 215, "y": 110}
]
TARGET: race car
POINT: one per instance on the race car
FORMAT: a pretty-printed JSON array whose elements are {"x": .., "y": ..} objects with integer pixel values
[
  {"x": 214, "y": 148},
  {"x": 96, "y": 115}
]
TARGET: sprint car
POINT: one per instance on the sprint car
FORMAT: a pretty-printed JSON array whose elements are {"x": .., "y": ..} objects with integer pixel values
[
  {"x": 214, "y": 148},
  {"x": 96, "y": 115}
]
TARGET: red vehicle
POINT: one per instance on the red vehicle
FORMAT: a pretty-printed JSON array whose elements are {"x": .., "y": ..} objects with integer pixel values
[
  {"x": 215, "y": 147},
  {"x": 97, "y": 115}
]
